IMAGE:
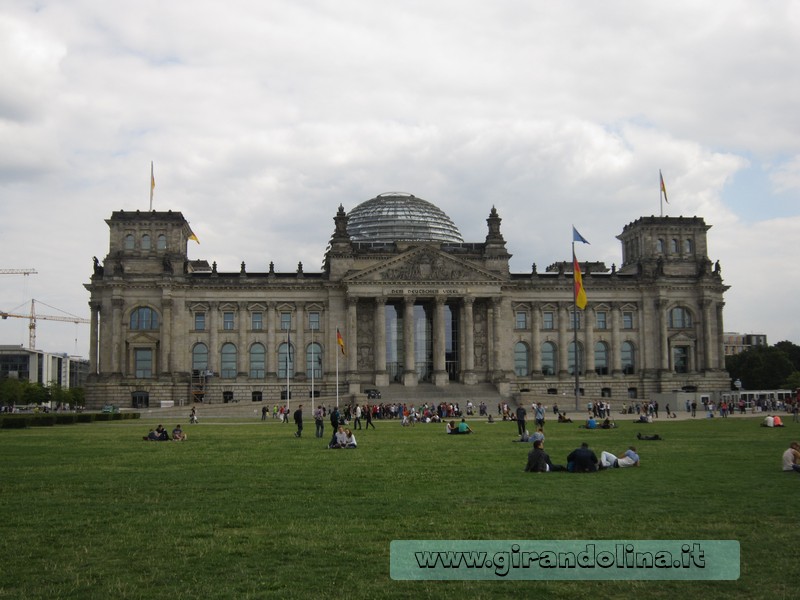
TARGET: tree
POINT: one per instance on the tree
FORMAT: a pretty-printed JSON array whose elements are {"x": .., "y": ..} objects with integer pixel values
[
  {"x": 792, "y": 351},
  {"x": 760, "y": 368}
]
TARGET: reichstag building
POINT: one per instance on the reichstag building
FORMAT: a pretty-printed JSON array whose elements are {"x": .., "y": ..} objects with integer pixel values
[{"x": 415, "y": 305}]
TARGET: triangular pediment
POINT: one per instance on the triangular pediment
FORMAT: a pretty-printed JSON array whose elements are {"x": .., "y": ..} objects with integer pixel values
[{"x": 424, "y": 264}]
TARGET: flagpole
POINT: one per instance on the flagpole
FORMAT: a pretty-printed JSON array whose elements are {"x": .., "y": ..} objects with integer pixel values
[
  {"x": 660, "y": 192},
  {"x": 575, "y": 325},
  {"x": 288, "y": 354},
  {"x": 152, "y": 185},
  {"x": 313, "y": 368},
  {"x": 337, "y": 378}
]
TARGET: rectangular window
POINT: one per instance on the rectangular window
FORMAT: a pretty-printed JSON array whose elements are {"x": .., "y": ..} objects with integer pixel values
[
  {"x": 575, "y": 319},
  {"x": 600, "y": 318},
  {"x": 227, "y": 320},
  {"x": 257, "y": 321},
  {"x": 286, "y": 321},
  {"x": 143, "y": 357},
  {"x": 199, "y": 321},
  {"x": 521, "y": 321},
  {"x": 627, "y": 320},
  {"x": 547, "y": 319},
  {"x": 313, "y": 321}
]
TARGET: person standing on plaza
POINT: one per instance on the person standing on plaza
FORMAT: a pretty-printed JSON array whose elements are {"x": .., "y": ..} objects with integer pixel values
[
  {"x": 521, "y": 414},
  {"x": 319, "y": 422},
  {"x": 298, "y": 420},
  {"x": 368, "y": 412},
  {"x": 357, "y": 417},
  {"x": 264, "y": 411},
  {"x": 539, "y": 415}
]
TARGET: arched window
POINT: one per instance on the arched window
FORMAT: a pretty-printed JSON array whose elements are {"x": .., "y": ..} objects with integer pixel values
[
  {"x": 687, "y": 246},
  {"x": 200, "y": 357},
  {"x": 145, "y": 242},
  {"x": 673, "y": 246},
  {"x": 680, "y": 318},
  {"x": 571, "y": 358},
  {"x": 257, "y": 361},
  {"x": 161, "y": 242},
  {"x": 314, "y": 361},
  {"x": 128, "y": 243},
  {"x": 285, "y": 361},
  {"x": 548, "y": 358},
  {"x": 660, "y": 246},
  {"x": 144, "y": 318},
  {"x": 601, "y": 358},
  {"x": 227, "y": 366},
  {"x": 628, "y": 358},
  {"x": 521, "y": 359}
]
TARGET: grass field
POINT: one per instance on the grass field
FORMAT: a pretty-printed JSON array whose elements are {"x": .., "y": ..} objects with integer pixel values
[{"x": 249, "y": 511}]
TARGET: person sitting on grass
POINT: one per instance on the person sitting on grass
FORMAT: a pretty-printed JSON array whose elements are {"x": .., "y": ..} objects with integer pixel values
[
  {"x": 178, "y": 435},
  {"x": 628, "y": 459},
  {"x": 539, "y": 461},
  {"x": 591, "y": 423},
  {"x": 791, "y": 458},
  {"x": 349, "y": 439},
  {"x": 525, "y": 437},
  {"x": 777, "y": 421},
  {"x": 582, "y": 460},
  {"x": 607, "y": 424},
  {"x": 151, "y": 437},
  {"x": 769, "y": 421},
  {"x": 654, "y": 437},
  {"x": 563, "y": 418},
  {"x": 450, "y": 428},
  {"x": 463, "y": 427},
  {"x": 339, "y": 439},
  {"x": 490, "y": 419},
  {"x": 162, "y": 434}
]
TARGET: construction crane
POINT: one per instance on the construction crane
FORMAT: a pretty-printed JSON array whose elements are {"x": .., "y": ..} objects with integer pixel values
[
  {"x": 32, "y": 317},
  {"x": 17, "y": 271}
]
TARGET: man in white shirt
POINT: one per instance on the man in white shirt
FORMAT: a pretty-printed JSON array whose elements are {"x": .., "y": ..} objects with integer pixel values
[
  {"x": 628, "y": 459},
  {"x": 791, "y": 458}
]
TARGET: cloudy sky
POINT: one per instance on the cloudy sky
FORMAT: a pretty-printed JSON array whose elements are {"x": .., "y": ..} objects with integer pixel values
[{"x": 263, "y": 116}]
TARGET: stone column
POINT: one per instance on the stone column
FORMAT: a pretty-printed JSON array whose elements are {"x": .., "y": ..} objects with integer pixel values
[
  {"x": 497, "y": 346},
  {"x": 272, "y": 360},
  {"x": 379, "y": 351},
  {"x": 118, "y": 351},
  {"x": 588, "y": 340},
  {"x": 440, "y": 376},
  {"x": 468, "y": 376},
  {"x": 213, "y": 338},
  {"x": 616, "y": 343},
  {"x": 166, "y": 335},
  {"x": 708, "y": 340},
  {"x": 536, "y": 339},
  {"x": 720, "y": 340},
  {"x": 94, "y": 366},
  {"x": 300, "y": 343},
  {"x": 352, "y": 335},
  {"x": 409, "y": 366},
  {"x": 564, "y": 339},
  {"x": 660, "y": 307}
]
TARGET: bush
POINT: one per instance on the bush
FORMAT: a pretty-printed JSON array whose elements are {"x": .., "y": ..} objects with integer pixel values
[
  {"x": 85, "y": 417},
  {"x": 15, "y": 422},
  {"x": 43, "y": 420},
  {"x": 65, "y": 419}
]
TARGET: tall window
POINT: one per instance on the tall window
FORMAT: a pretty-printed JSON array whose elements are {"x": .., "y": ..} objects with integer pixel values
[
  {"x": 680, "y": 359},
  {"x": 680, "y": 318},
  {"x": 687, "y": 246},
  {"x": 199, "y": 321},
  {"x": 285, "y": 361},
  {"x": 257, "y": 361},
  {"x": 575, "y": 319},
  {"x": 128, "y": 243},
  {"x": 314, "y": 361},
  {"x": 601, "y": 321},
  {"x": 227, "y": 369},
  {"x": 145, "y": 242},
  {"x": 601, "y": 358},
  {"x": 547, "y": 319},
  {"x": 200, "y": 357},
  {"x": 660, "y": 246},
  {"x": 571, "y": 358},
  {"x": 673, "y": 246},
  {"x": 143, "y": 357},
  {"x": 144, "y": 318},
  {"x": 521, "y": 321},
  {"x": 628, "y": 358},
  {"x": 313, "y": 321},
  {"x": 521, "y": 359},
  {"x": 227, "y": 320},
  {"x": 161, "y": 242},
  {"x": 286, "y": 321},
  {"x": 548, "y": 358},
  {"x": 627, "y": 320},
  {"x": 257, "y": 321}
]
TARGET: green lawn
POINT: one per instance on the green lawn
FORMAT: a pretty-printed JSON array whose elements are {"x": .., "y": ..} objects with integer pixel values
[{"x": 249, "y": 511}]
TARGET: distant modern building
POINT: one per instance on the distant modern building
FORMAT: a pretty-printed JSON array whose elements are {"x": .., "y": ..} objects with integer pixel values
[
  {"x": 414, "y": 305},
  {"x": 735, "y": 343},
  {"x": 37, "y": 366}
]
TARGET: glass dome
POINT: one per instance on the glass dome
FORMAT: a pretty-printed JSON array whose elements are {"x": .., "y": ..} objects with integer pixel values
[{"x": 396, "y": 216}]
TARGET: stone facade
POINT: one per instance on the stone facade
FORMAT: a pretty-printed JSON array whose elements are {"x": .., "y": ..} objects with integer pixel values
[{"x": 164, "y": 328}]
